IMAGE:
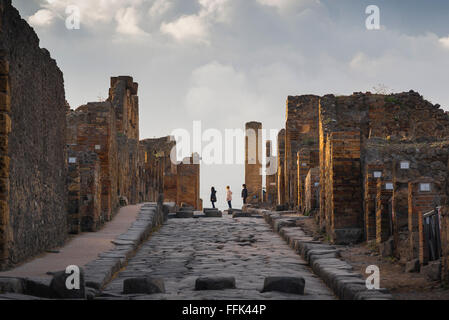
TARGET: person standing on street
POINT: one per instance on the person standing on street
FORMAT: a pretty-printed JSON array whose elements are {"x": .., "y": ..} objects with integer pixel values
[
  {"x": 213, "y": 196},
  {"x": 229, "y": 196},
  {"x": 244, "y": 193}
]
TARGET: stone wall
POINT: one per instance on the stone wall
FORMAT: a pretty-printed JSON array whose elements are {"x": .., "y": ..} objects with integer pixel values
[
  {"x": 312, "y": 190},
  {"x": 33, "y": 160},
  {"x": 188, "y": 182},
  {"x": 253, "y": 162},
  {"x": 301, "y": 132}
]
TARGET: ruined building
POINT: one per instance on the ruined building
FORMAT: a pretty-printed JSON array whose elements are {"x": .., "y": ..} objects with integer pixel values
[
  {"x": 33, "y": 166},
  {"x": 66, "y": 171},
  {"x": 370, "y": 167},
  {"x": 253, "y": 162}
]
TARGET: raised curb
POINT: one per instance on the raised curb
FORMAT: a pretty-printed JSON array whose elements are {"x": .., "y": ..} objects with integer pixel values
[
  {"x": 100, "y": 271},
  {"x": 324, "y": 260}
]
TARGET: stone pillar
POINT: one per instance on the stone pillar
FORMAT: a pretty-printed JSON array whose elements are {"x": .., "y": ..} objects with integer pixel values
[
  {"x": 5, "y": 129},
  {"x": 445, "y": 243},
  {"x": 372, "y": 173},
  {"x": 280, "y": 184},
  {"x": 253, "y": 161},
  {"x": 344, "y": 183},
  {"x": 383, "y": 197},
  {"x": 422, "y": 198},
  {"x": 271, "y": 174}
]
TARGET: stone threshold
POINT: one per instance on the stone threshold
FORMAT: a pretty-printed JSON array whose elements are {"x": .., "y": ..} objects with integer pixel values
[{"x": 324, "y": 260}]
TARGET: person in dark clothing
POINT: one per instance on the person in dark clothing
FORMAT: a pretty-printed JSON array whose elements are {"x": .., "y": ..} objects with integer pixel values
[
  {"x": 213, "y": 196},
  {"x": 244, "y": 193}
]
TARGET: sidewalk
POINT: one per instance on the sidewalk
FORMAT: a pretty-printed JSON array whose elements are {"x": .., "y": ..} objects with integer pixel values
[{"x": 79, "y": 250}]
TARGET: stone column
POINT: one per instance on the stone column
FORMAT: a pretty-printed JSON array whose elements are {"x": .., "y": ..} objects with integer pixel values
[
  {"x": 253, "y": 161},
  {"x": 370, "y": 197},
  {"x": 383, "y": 196}
]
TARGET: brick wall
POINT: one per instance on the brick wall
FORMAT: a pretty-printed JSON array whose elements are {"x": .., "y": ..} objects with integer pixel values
[
  {"x": 370, "y": 196},
  {"x": 301, "y": 131},
  {"x": 36, "y": 193},
  {"x": 445, "y": 243},
  {"x": 188, "y": 182}
]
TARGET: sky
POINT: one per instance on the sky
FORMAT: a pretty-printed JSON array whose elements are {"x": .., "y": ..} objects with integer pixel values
[{"x": 227, "y": 62}]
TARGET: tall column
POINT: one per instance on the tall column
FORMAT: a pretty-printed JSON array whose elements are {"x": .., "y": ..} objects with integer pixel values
[{"x": 253, "y": 161}]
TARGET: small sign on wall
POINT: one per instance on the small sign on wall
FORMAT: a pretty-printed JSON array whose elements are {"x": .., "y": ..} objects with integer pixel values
[
  {"x": 97, "y": 147},
  {"x": 424, "y": 187},
  {"x": 389, "y": 186},
  {"x": 377, "y": 174},
  {"x": 405, "y": 165},
  {"x": 72, "y": 160}
]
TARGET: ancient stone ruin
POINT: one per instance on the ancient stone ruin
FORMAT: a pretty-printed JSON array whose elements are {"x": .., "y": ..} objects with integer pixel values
[
  {"x": 369, "y": 167},
  {"x": 68, "y": 171}
]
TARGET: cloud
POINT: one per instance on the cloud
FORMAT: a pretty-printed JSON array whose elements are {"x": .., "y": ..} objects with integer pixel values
[
  {"x": 444, "y": 42},
  {"x": 197, "y": 27},
  {"x": 41, "y": 18},
  {"x": 127, "y": 22},
  {"x": 159, "y": 8},
  {"x": 187, "y": 27}
]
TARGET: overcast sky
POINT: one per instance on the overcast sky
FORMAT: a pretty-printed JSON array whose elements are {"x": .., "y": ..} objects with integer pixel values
[{"x": 227, "y": 62}]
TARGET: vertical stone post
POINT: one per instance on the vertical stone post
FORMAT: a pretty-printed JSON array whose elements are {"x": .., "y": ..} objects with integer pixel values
[
  {"x": 5, "y": 129},
  {"x": 383, "y": 196},
  {"x": 445, "y": 243},
  {"x": 271, "y": 174},
  {"x": 372, "y": 174},
  {"x": 422, "y": 198},
  {"x": 280, "y": 184},
  {"x": 253, "y": 161}
]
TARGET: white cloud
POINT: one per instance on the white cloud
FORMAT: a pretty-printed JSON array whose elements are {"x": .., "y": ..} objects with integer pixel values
[
  {"x": 159, "y": 7},
  {"x": 41, "y": 18},
  {"x": 444, "y": 42},
  {"x": 127, "y": 22},
  {"x": 197, "y": 27},
  {"x": 187, "y": 28}
]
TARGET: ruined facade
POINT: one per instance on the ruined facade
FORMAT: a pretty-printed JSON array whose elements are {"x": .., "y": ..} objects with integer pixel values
[
  {"x": 301, "y": 139},
  {"x": 33, "y": 164},
  {"x": 373, "y": 167},
  {"x": 270, "y": 175}
]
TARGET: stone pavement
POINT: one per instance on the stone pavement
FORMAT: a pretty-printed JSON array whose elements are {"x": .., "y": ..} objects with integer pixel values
[
  {"x": 245, "y": 248},
  {"x": 79, "y": 250}
]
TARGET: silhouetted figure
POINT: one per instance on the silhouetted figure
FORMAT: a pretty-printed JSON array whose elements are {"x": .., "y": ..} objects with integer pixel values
[
  {"x": 213, "y": 196},
  {"x": 244, "y": 193},
  {"x": 229, "y": 196}
]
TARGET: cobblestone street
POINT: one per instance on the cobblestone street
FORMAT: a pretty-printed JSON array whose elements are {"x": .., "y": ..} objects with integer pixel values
[{"x": 245, "y": 248}]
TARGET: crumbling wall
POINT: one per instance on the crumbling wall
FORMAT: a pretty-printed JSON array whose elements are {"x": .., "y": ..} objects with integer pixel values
[
  {"x": 34, "y": 163},
  {"x": 301, "y": 132},
  {"x": 188, "y": 182}
]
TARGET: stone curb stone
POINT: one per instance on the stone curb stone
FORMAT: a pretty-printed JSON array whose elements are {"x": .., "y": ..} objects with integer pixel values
[{"x": 324, "y": 261}]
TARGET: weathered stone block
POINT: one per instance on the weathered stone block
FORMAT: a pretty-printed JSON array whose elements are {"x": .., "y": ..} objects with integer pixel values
[
  {"x": 59, "y": 286},
  {"x": 146, "y": 285},
  {"x": 284, "y": 284}
]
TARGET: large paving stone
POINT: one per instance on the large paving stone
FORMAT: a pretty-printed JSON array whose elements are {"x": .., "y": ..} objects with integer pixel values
[
  {"x": 219, "y": 283},
  {"x": 59, "y": 286},
  {"x": 144, "y": 285},
  {"x": 184, "y": 214},
  {"x": 294, "y": 285},
  {"x": 11, "y": 285}
]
